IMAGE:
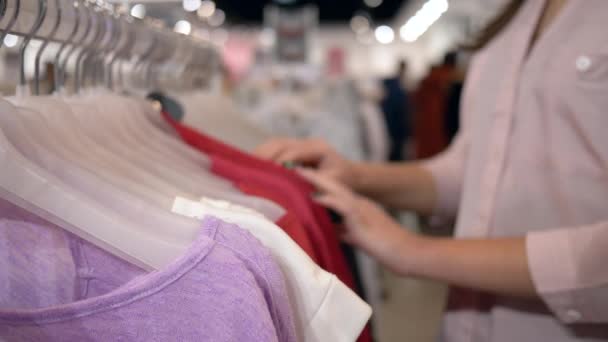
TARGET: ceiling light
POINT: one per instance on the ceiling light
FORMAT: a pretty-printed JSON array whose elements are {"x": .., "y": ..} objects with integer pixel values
[
  {"x": 384, "y": 34},
  {"x": 373, "y": 3},
  {"x": 183, "y": 27},
  {"x": 191, "y": 5},
  {"x": 206, "y": 9},
  {"x": 11, "y": 40},
  {"x": 218, "y": 18},
  {"x": 138, "y": 11},
  {"x": 418, "y": 24},
  {"x": 359, "y": 23}
]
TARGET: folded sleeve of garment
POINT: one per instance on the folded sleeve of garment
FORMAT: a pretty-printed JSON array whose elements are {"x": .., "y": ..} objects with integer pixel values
[
  {"x": 326, "y": 309},
  {"x": 338, "y": 318},
  {"x": 569, "y": 272}
]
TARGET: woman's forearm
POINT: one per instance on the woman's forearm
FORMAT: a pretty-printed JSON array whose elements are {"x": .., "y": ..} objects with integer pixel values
[
  {"x": 405, "y": 186},
  {"x": 493, "y": 265}
]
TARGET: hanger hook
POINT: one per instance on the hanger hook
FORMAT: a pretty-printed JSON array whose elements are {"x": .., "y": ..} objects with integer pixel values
[
  {"x": 80, "y": 43},
  {"x": 3, "y": 5},
  {"x": 107, "y": 50},
  {"x": 86, "y": 48},
  {"x": 129, "y": 45},
  {"x": 117, "y": 49},
  {"x": 11, "y": 23},
  {"x": 45, "y": 43},
  {"x": 147, "y": 54},
  {"x": 95, "y": 52},
  {"x": 28, "y": 38},
  {"x": 64, "y": 44}
]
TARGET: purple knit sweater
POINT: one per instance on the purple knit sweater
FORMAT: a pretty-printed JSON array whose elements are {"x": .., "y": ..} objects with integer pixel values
[{"x": 57, "y": 287}]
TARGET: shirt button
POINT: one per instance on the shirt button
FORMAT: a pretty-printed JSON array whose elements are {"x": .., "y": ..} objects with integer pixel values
[
  {"x": 574, "y": 315},
  {"x": 583, "y": 63}
]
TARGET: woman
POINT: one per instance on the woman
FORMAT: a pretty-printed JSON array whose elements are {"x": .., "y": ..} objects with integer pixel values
[{"x": 527, "y": 176}]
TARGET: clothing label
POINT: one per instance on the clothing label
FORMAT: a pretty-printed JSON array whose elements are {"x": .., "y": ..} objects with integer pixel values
[
  {"x": 185, "y": 207},
  {"x": 225, "y": 205}
]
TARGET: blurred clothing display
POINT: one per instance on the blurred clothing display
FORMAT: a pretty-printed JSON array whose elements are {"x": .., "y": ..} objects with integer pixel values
[
  {"x": 452, "y": 110},
  {"x": 530, "y": 160},
  {"x": 209, "y": 112},
  {"x": 430, "y": 100},
  {"x": 330, "y": 110},
  {"x": 376, "y": 135},
  {"x": 396, "y": 109}
]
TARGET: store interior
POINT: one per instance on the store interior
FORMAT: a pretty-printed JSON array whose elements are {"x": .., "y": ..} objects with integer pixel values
[{"x": 124, "y": 124}]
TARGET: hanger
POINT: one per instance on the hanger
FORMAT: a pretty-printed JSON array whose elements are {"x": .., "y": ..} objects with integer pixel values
[
  {"x": 86, "y": 49},
  {"x": 42, "y": 8},
  {"x": 192, "y": 179},
  {"x": 64, "y": 44},
  {"x": 43, "y": 47},
  {"x": 75, "y": 46},
  {"x": 121, "y": 53},
  {"x": 12, "y": 21},
  {"x": 33, "y": 189}
]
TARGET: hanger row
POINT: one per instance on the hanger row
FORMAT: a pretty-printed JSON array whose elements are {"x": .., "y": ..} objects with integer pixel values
[{"x": 100, "y": 44}]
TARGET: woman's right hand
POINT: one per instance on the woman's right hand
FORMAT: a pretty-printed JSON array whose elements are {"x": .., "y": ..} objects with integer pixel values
[{"x": 314, "y": 153}]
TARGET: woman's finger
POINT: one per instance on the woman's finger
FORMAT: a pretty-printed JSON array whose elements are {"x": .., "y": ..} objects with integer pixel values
[
  {"x": 337, "y": 204},
  {"x": 273, "y": 149},
  {"x": 324, "y": 183}
]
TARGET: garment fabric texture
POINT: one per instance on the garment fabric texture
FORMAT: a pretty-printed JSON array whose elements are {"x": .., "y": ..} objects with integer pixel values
[
  {"x": 226, "y": 287},
  {"x": 530, "y": 160},
  {"x": 243, "y": 168}
]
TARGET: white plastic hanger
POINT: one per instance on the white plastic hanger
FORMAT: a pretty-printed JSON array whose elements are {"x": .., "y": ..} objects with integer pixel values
[
  {"x": 35, "y": 190},
  {"x": 78, "y": 147},
  {"x": 134, "y": 141}
]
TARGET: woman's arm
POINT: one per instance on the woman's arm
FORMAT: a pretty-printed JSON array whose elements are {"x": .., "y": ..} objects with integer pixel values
[
  {"x": 405, "y": 186},
  {"x": 494, "y": 265}
]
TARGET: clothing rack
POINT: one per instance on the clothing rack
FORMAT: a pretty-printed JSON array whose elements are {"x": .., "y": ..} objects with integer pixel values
[{"x": 108, "y": 36}]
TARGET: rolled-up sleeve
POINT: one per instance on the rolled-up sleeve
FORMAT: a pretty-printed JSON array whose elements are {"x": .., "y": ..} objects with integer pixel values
[
  {"x": 569, "y": 271},
  {"x": 447, "y": 169}
]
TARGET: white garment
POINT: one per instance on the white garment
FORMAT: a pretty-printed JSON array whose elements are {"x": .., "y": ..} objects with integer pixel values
[
  {"x": 376, "y": 135},
  {"x": 325, "y": 308}
]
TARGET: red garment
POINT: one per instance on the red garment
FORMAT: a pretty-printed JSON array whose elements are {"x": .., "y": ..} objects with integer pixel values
[
  {"x": 430, "y": 101},
  {"x": 284, "y": 187},
  {"x": 288, "y": 222},
  {"x": 242, "y": 168}
]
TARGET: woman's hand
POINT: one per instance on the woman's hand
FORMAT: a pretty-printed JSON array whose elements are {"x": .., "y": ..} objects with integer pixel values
[
  {"x": 311, "y": 153},
  {"x": 366, "y": 224}
]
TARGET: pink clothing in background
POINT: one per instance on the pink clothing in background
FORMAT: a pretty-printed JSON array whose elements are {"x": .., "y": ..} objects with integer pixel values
[{"x": 532, "y": 160}]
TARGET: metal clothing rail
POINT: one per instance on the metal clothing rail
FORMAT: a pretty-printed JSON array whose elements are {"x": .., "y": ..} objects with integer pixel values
[{"x": 103, "y": 38}]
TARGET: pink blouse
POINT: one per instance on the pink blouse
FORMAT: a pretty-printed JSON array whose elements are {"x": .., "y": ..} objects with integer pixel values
[{"x": 532, "y": 160}]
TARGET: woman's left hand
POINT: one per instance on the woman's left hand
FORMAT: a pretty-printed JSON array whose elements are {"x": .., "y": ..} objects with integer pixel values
[{"x": 366, "y": 224}]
